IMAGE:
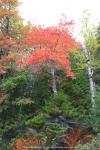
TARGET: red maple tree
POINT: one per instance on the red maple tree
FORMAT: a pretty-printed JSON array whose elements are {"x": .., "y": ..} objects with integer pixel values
[{"x": 51, "y": 44}]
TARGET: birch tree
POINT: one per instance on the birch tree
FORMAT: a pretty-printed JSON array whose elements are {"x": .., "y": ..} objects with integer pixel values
[{"x": 89, "y": 45}]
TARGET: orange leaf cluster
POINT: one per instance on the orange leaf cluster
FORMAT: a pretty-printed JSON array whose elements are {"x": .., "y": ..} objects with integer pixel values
[
  {"x": 73, "y": 138},
  {"x": 6, "y": 41},
  {"x": 10, "y": 57},
  {"x": 76, "y": 136},
  {"x": 5, "y": 61},
  {"x": 22, "y": 144},
  {"x": 4, "y": 13}
]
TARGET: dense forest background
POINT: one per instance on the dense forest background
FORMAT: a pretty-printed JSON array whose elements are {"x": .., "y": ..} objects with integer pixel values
[{"x": 41, "y": 106}]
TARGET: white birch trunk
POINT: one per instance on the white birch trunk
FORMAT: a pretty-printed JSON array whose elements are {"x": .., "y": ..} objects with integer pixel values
[
  {"x": 90, "y": 74},
  {"x": 54, "y": 88}
]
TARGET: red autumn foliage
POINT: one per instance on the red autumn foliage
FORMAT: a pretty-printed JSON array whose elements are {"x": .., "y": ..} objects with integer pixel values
[
  {"x": 22, "y": 144},
  {"x": 51, "y": 44}
]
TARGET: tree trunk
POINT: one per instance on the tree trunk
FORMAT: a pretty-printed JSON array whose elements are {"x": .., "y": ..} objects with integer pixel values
[
  {"x": 90, "y": 74},
  {"x": 54, "y": 88}
]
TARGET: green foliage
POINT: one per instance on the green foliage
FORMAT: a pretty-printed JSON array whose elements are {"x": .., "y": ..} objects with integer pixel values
[
  {"x": 26, "y": 84},
  {"x": 60, "y": 103},
  {"x": 25, "y": 88},
  {"x": 55, "y": 128},
  {"x": 97, "y": 56},
  {"x": 37, "y": 121},
  {"x": 53, "y": 133},
  {"x": 97, "y": 53},
  {"x": 97, "y": 76},
  {"x": 3, "y": 144},
  {"x": 15, "y": 85},
  {"x": 77, "y": 91},
  {"x": 93, "y": 119},
  {"x": 93, "y": 145},
  {"x": 41, "y": 90}
]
